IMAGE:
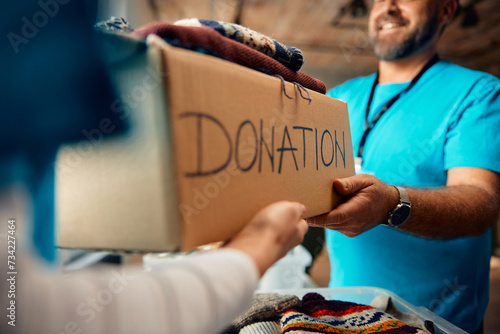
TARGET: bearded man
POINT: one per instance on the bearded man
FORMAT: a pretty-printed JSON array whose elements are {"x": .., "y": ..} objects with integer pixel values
[{"x": 425, "y": 132}]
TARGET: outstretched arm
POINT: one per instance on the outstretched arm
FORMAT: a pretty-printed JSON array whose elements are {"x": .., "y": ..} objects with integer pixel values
[
  {"x": 201, "y": 293},
  {"x": 466, "y": 206}
]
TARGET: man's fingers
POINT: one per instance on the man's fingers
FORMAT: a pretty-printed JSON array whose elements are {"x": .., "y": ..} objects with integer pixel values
[
  {"x": 316, "y": 221},
  {"x": 340, "y": 186},
  {"x": 342, "y": 214},
  {"x": 352, "y": 184},
  {"x": 326, "y": 220},
  {"x": 347, "y": 186}
]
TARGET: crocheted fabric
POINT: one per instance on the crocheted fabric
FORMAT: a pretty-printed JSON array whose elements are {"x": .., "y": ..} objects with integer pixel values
[
  {"x": 208, "y": 38},
  {"x": 289, "y": 56},
  {"x": 318, "y": 315}
]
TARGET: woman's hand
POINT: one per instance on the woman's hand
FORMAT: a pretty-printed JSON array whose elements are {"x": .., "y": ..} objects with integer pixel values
[{"x": 271, "y": 233}]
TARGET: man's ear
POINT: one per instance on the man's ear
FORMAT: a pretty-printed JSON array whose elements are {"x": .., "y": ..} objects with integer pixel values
[{"x": 448, "y": 11}]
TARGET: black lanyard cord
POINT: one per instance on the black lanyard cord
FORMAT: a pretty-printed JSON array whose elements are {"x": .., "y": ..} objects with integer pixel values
[{"x": 370, "y": 125}]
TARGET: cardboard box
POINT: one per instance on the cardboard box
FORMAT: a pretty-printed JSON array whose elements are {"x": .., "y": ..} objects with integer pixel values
[{"x": 211, "y": 143}]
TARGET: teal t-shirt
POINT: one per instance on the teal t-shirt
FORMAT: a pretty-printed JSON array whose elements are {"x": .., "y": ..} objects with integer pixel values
[{"x": 450, "y": 118}]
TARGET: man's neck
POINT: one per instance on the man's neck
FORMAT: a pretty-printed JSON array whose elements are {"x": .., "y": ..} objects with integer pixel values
[{"x": 405, "y": 69}]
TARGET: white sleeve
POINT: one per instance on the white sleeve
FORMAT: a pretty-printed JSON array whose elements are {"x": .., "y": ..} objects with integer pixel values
[{"x": 199, "y": 294}]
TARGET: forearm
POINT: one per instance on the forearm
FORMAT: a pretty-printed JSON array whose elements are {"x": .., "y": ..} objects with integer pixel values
[
  {"x": 466, "y": 206},
  {"x": 451, "y": 212},
  {"x": 201, "y": 293}
]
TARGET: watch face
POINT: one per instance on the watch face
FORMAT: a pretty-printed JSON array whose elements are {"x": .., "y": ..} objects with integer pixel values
[{"x": 400, "y": 215}]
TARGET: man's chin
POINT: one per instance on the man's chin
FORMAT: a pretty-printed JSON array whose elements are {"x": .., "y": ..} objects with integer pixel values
[
  {"x": 391, "y": 49},
  {"x": 389, "y": 54},
  {"x": 391, "y": 41}
]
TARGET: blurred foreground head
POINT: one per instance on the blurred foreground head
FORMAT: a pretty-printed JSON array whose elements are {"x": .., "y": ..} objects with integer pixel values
[{"x": 54, "y": 87}]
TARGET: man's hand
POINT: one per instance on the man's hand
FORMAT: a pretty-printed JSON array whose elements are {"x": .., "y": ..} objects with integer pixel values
[
  {"x": 368, "y": 203},
  {"x": 465, "y": 207}
]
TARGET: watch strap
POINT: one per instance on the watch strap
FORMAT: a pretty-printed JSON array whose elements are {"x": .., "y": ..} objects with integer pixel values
[
  {"x": 404, "y": 201},
  {"x": 403, "y": 195}
]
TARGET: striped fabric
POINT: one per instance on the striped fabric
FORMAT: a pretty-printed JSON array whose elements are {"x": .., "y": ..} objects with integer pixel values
[
  {"x": 318, "y": 315},
  {"x": 227, "y": 48},
  {"x": 289, "y": 56}
]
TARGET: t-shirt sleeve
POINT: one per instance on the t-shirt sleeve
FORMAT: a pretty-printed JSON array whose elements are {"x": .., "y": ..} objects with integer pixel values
[{"x": 472, "y": 139}]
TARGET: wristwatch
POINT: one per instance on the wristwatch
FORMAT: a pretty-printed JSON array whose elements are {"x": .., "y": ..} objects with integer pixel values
[{"x": 401, "y": 213}]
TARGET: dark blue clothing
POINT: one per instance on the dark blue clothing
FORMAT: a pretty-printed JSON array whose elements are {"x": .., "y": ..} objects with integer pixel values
[{"x": 54, "y": 86}]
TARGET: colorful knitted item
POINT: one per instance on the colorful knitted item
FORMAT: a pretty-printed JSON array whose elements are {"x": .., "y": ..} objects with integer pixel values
[
  {"x": 318, "y": 315},
  {"x": 289, "y": 56},
  {"x": 208, "y": 38}
]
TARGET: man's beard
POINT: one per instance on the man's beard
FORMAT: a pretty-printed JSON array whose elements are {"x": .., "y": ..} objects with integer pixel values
[{"x": 414, "y": 42}]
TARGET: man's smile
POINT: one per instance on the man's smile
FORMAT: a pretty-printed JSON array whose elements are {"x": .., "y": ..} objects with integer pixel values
[{"x": 390, "y": 25}]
